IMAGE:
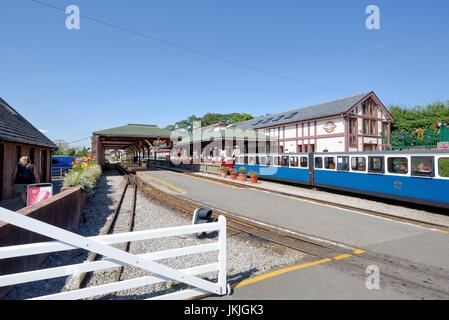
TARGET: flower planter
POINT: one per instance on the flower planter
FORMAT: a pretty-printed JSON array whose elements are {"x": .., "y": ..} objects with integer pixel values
[
  {"x": 234, "y": 176},
  {"x": 254, "y": 179},
  {"x": 242, "y": 177},
  {"x": 223, "y": 175}
]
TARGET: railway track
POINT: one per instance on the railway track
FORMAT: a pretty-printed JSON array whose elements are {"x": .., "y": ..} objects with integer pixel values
[
  {"x": 417, "y": 280},
  {"x": 122, "y": 220},
  {"x": 435, "y": 226}
]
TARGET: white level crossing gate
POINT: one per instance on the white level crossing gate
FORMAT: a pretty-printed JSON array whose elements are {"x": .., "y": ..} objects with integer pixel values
[{"x": 65, "y": 240}]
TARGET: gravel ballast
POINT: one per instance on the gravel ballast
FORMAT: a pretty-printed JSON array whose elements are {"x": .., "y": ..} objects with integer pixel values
[
  {"x": 99, "y": 208},
  {"x": 246, "y": 255}
]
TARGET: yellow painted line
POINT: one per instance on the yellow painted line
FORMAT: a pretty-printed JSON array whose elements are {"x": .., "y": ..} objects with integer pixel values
[
  {"x": 216, "y": 181},
  {"x": 165, "y": 183},
  {"x": 279, "y": 272},
  {"x": 358, "y": 251},
  {"x": 343, "y": 256}
]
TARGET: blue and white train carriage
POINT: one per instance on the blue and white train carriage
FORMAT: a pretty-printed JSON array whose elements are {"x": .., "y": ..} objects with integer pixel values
[{"x": 416, "y": 177}]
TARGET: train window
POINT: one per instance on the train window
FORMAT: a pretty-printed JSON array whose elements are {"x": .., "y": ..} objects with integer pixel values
[
  {"x": 358, "y": 163},
  {"x": 294, "y": 162},
  {"x": 398, "y": 165},
  {"x": 319, "y": 162},
  {"x": 277, "y": 161},
  {"x": 376, "y": 164},
  {"x": 239, "y": 160},
  {"x": 422, "y": 167},
  {"x": 264, "y": 161},
  {"x": 252, "y": 160},
  {"x": 304, "y": 161},
  {"x": 285, "y": 161},
  {"x": 443, "y": 167},
  {"x": 329, "y": 163},
  {"x": 343, "y": 163}
]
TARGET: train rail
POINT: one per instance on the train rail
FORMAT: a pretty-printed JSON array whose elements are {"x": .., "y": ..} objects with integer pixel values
[
  {"x": 418, "y": 280},
  {"x": 111, "y": 226},
  {"x": 431, "y": 225}
]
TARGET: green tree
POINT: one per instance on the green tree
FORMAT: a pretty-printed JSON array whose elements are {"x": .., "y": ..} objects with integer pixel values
[
  {"x": 410, "y": 119},
  {"x": 209, "y": 119}
]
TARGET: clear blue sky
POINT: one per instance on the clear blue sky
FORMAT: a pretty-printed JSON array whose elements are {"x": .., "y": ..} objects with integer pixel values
[{"x": 72, "y": 83}]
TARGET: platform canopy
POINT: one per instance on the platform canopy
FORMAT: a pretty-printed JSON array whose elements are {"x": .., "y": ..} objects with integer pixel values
[{"x": 133, "y": 138}]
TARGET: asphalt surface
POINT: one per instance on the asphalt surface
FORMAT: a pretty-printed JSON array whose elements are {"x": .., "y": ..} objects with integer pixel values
[{"x": 413, "y": 260}]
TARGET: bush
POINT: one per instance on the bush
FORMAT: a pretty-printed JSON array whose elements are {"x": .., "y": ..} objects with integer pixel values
[
  {"x": 84, "y": 176},
  {"x": 253, "y": 174}
]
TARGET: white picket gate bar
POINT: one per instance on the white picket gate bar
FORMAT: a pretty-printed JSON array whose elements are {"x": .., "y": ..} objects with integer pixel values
[{"x": 113, "y": 257}]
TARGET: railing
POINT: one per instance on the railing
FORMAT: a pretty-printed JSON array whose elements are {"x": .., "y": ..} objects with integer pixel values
[
  {"x": 114, "y": 257},
  {"x": 427, "y": 139}
]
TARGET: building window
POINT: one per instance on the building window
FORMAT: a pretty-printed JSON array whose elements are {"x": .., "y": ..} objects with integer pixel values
[
  {"x": 376, "y": 164},
  {"x": 358, "y": 164},
  {"x": 398, "y": 165},
  {"x": 422, "y": 167},
  {"x": 353, "y": 132},
  {"x": 343, "y": 163},
  {"x": 319, "y": 162},
  {"x": 329, "y": 163},
  {"x": 304, "y": 162},
  {"x": 369, "y": 127}
]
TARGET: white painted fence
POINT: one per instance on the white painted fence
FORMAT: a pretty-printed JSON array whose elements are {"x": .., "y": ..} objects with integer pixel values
[{"x": 113, "y": 258}]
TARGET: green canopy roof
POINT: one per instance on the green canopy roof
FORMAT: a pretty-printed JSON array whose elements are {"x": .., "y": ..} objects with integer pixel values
[{"x": 135, "y": 130}]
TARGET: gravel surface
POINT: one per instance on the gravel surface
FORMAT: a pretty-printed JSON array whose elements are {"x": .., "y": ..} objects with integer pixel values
[
  {"x": 98, "y": 209},
  {"x": 394, "y": 210},
  {"x": 246, "y": 255}
]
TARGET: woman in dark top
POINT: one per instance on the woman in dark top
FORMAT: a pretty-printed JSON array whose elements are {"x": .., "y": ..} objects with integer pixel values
[{"x": 24, "y": 175}]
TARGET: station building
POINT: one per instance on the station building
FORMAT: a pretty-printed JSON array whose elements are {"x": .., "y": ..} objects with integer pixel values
[
  {"x": 357, "y": 123},
  {"x": 18, "y": 138}
]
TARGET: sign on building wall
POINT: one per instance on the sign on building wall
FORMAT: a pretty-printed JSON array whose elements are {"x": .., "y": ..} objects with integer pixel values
[
  {"x": 329, "y": 126},
  {"x": 39, "y": 192}
]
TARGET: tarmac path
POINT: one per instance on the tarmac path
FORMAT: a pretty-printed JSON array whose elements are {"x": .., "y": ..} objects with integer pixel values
[{"x": 413, "y": 260}]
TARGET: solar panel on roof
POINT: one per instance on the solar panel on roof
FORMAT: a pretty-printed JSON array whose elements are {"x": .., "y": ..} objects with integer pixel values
[
  {"x": 291, "y": 115},
  {"x": 278, "y": 118},
  {"x": 266, "y": 121},
  {"x": 258, "y": 122}
]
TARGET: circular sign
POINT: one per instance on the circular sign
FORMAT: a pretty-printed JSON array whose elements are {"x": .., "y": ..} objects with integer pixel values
[{"x": 329, "y": 126}]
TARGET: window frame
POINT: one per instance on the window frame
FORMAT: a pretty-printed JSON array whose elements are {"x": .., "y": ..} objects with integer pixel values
[
  {"x": 300, "y": 162},
  {"x": 335, "y": 163},
  {"x": 267, "y": 163},
  {"x": 348, "y": 163},
  {"x": 278, "y": 164},
  {"x": 432, "y": 173},
  {"x": 370, "y": 170},
  {"x": 398, "y": 173},
  {"x": 283, "y": 163},
  {"x": 320, "y": 167},
  {"x": 357, "y": 159},
  {"x": 437, "y": 163},
  {"x": 296, "y": 162}
]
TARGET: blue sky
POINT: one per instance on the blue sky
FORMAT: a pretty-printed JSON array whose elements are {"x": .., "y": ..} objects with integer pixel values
[{"x": 72, "y": 83}]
